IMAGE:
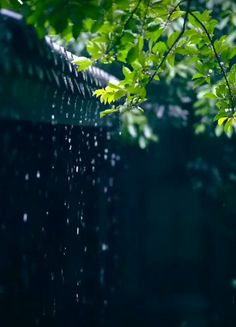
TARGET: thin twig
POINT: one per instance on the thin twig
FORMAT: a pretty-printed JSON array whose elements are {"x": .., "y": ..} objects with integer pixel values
[
  {"x": 169, "y": 17},
  {"x": 217, "y": 58},
  {"x": 145, "y": 16},
  {"x": 175, "y": 42},
  {"x": 124, "y": 27},
  {"x": 172, "y": 11},
  {"x": 132, "y": 13}
]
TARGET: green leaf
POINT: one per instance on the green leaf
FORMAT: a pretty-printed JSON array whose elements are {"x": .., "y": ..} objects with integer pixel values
[
  {"x": 119, "y": 94},
  {"x": 126, "y": 72},
  {"x": 210, "y": 96},
  {"x": 140, "y": 43},
  {"x": 222, "y": 120},
  {"x": 96, "y": 25},
  {"x": 197, "y": 75},
  {"x": 220, "y": 115},
  {"x": 159, "y": 47},
  {"x": 153, "y": 26},
  {"x": 156, "y": 77},
  {"x": 198, "y": 82},
  {"x": 232, "y": 75},
  {"x": 99, "y": 92},
  {"x": 173, "y": 37},
  {"x": 171, "y": 60},
  {"x": 228, "y": 126},
  {"x": 199, "y": 129},
  {"x": 132, "y": 54},
  {"x": 108, "y": 112},
  {"x": 83, "y": 63},
  {"x": 154, "y": 36}
]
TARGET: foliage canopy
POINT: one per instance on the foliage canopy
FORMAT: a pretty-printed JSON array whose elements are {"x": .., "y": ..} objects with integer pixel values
[{"x": 153, "y": 40}]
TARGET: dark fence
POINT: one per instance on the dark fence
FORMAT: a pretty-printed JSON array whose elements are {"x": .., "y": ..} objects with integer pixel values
[
  {"x": 58, "y": 258},
  {"x": 39, "y": 81}
]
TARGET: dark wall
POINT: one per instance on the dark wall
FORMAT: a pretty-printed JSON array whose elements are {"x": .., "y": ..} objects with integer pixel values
[{"x": 178, "y": 236}]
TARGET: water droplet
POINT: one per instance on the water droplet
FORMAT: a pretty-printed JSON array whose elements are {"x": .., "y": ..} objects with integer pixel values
[
  {"x": 77, "y": 297},
  {"x": 105, "y": 302},
  {"x": 105, "y": 247},
  {"x": 101, "y": 277},
  {"x": 25, "y": 217}
]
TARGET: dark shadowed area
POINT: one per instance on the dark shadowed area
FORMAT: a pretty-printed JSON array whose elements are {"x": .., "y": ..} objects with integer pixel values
[{"x": 95, "y": 231}]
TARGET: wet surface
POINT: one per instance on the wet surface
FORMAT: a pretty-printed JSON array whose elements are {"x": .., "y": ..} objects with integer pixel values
[{"x": 57, "y": 226}]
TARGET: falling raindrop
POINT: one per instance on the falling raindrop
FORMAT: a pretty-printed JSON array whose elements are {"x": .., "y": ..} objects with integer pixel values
[
  {"x": 25, "y": 217},
  {"x": 52, "y": 276},
  {"x": 101, "y": 276},
  {"x": 105, "y": 247},
  {"x": 68, "y": 221},
  {"x": 54, "y": 308},
  {"x": 77, "y": 297},
  {"x": 62, "y": 275}
]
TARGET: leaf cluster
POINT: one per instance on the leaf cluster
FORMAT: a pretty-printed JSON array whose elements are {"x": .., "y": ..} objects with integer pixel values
[{"x": 152, "y": 40}]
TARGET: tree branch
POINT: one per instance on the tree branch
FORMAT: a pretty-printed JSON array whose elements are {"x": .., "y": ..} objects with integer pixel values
[
  {"x": 145, "y": 16},
  {"x": 172, "y": 11},
  {"x": 124, "y": 27},
  {"x": 175, "y": 42},
  {"x": 218, "y": 60}
]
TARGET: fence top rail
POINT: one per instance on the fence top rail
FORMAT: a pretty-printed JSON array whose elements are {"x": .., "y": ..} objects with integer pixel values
[{"x": 39, "y": 82}]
